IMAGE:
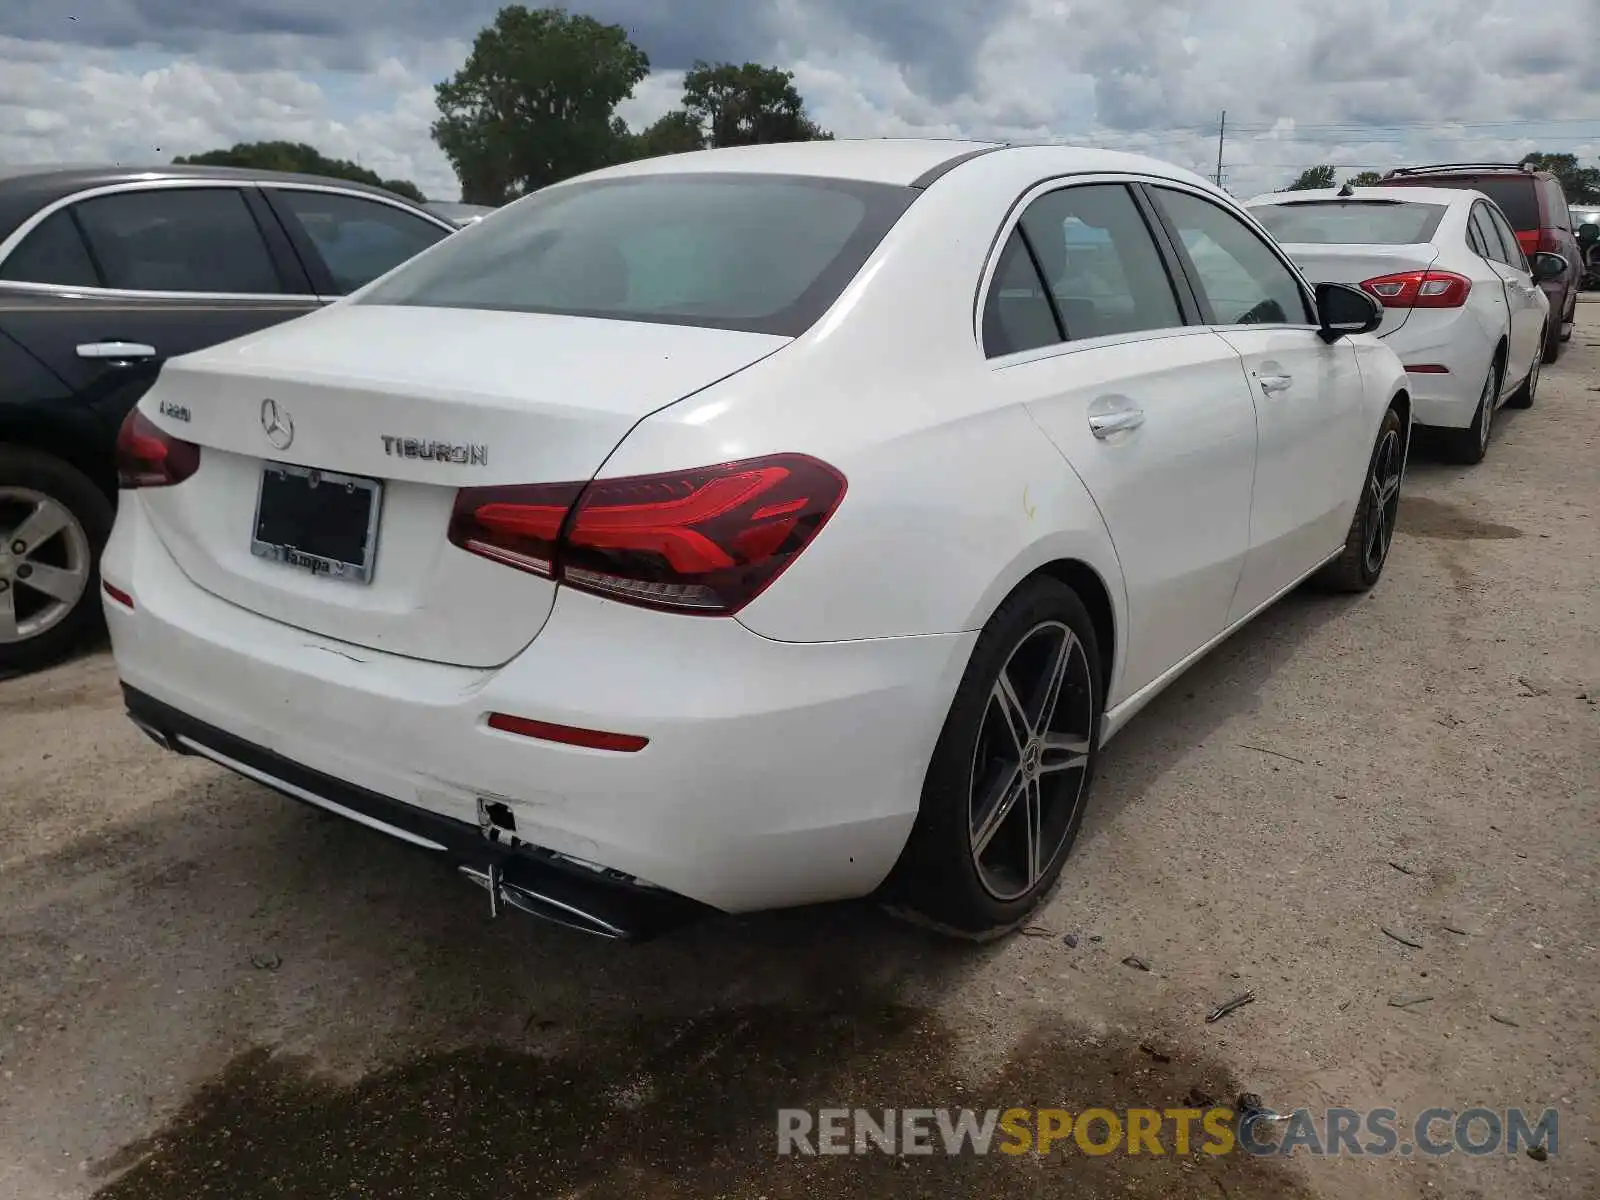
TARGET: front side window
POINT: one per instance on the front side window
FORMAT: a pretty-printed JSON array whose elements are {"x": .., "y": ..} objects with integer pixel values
[
  {"x": 1100, "y": 262},
  {"x": 762, "y": 253},
  {"x": 358, "y": 239},
  {"x": 52, "y": 253},
  {"x": 178, "y": 240},
  {"x": 1241, "y": 280}
]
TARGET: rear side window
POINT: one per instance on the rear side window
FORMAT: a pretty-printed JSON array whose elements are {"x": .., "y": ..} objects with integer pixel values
[
  {"x": 53, "y": 253},
  {"x": 358, "y": 239},
  {"x": 178, "y": 240},
  {"x": 1351, "y": 222},
  {"x": 1017, "y": 315},
  {"x": 1241, "y": 280},
  {"x": 1508, "y": 238},
  {"x": 1489, "y": 235},
  {"x": 1100, "y": 262},
  {"x": 762, "y": 253}
]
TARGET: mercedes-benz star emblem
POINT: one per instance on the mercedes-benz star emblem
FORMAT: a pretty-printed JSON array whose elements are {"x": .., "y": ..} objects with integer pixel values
[{"x": 277, "y": 422}]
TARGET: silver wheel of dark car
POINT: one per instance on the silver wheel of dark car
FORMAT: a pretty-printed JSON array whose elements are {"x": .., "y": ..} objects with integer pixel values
[
  {"x": 45, "y": 563},
  {"x": 1030, "y": 762}
]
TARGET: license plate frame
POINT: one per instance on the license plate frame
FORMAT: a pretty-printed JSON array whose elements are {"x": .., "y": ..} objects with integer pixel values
[{"x": 287, "y": 551}]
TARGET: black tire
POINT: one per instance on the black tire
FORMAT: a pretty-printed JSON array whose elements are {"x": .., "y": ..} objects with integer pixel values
[
  {"x": 1552, "y": 344},
  {"x": 938, "y": 880},
  {"x": 35, "y": 471},
  {"x": 1356, "y": 570},
  {"x": 1523, "y": 397},
  {"x": 1468, "y": 446}
]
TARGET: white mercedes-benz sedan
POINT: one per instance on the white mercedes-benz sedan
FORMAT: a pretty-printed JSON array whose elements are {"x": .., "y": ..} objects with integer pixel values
[
  {"x": 1462, "y": 303},
  {"x": 752, "y": 527}
]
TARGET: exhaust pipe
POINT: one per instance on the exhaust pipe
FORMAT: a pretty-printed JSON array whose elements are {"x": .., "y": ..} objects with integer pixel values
[{"x": 546, "y": 908}]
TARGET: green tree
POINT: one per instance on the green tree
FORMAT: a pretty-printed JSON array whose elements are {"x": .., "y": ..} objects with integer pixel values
[
  {"x": 676, "y": 133},
  {"x": 1312, "y": 177},
  {"x": 1581, "y": 184},
  {"x": 744, "y": 105},
  {"x": 301, "y": 158},
  {"x": 1365, "y": 179},
  {"x": 535, "y": 102}
]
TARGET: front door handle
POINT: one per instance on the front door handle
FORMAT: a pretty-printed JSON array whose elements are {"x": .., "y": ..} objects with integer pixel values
[
  {"x": 1113, "y": 420},
  {"x": 1271, "y": 384},
  {"x": 116, "y": 351}
]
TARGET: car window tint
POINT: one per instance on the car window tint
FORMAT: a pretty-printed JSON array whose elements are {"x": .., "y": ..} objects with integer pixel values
[
  {"x": 1489, "y": 235},
  {"x": 1100, "y": 262},
  {"x": 1350, "y": 222},
  {"x": 178, "y": 240},
  {"x": 1475, "y": 239},
  {"x": 1517, "y": 196},
  {"x": 1508, "y": 238},
  {"x": 1241, "y": 280},
  {"x": 1017, "y": 314},
  {"x": 754, "y": 252},
  {"x": 53, "y": 253},
  {"x": 359, "y": 239}
]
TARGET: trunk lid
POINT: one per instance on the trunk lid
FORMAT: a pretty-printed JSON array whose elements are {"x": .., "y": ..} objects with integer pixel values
[
  {"x": 1342, "y": 263},
  {"x": 425, "y": 401}
]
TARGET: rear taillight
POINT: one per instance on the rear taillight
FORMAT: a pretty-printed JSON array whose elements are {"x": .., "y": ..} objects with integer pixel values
[
  {"x": 1420, "y": 289},
  {"x": 1548, "y": 242},
  {"x": 704, "y": 541},
  {"x": 1531, "y": 241},
  {"x": 147, "y": 456}
]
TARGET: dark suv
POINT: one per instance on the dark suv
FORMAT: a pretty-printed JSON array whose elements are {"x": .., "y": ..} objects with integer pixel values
[
  {"x": 106, "y": 273},
  {"x": 1536, "y": 206}
]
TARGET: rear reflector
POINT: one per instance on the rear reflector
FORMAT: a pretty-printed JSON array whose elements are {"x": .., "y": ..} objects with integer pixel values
[
  {"x": 1420, "y": 289},
  {"x": 148, "y": 456},
  {"x": 705, "y": 541},
  {"x": 1428, "y": 369},
  {"x": 117, "y": 594},
  {"x": 592, "y": 739}
]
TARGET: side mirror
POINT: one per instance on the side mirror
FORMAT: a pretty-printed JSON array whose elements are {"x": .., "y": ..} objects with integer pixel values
[
  {"x": 1344, "y": 310},
  {"x": 1548, "y": 266}
]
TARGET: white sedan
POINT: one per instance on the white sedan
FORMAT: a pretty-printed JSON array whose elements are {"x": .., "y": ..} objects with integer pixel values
[
  {"x": 752, "y": 527},
  {"x": 1462, "y": 304}
]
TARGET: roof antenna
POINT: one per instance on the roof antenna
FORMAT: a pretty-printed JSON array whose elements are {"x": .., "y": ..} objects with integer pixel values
[{"x": 1346, "y": 191}]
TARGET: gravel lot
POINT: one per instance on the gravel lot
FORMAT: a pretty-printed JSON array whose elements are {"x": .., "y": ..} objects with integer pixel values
[{"x": 209, "y": 990}]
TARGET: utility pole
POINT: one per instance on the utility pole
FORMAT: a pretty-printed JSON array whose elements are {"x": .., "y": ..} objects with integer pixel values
[{"x": 1222, "y": 128}]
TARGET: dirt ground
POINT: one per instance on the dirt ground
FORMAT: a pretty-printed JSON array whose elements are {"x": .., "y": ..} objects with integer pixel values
[{"x": 207, "y": 990}]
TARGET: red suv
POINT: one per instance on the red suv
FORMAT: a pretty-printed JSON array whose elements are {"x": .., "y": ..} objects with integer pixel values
[{"x": 1537, "y": 208}]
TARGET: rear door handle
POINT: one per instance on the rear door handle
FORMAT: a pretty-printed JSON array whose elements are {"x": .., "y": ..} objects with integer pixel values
[
  {"x": 116, "y": 351},
  {"x": 1275, "y": 383},
  {"x": 1112, "y": 414}
]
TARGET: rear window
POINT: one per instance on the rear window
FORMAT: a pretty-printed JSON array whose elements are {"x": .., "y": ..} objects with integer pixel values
[
  {"x": 1358, "y": 222},
  {"x": 761, "y": 253},
  {"x": 1517, "y": 195}
]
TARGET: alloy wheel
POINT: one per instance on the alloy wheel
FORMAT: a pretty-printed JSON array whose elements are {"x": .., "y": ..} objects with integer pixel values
[
  {"x": 1383, "y": 501},
  {"x": 1031, "y": 760},
  {"x": 45, "y": 563}
]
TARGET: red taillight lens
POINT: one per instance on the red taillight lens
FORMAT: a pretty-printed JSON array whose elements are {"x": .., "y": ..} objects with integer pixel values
[
  {"x": 147, "y": 456},
  {"x": 703, "y": 541},
  {"x": 1533, "y": 241},
  {"x": 1420, "y": 289}
]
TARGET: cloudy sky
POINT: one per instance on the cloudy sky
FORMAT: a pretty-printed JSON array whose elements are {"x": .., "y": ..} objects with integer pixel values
[{"x": 1354, "y": 82}]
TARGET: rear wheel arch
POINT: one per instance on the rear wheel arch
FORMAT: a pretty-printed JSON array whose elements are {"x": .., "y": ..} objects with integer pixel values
[
  {"x": 1085, "y": 580},
  {"x": 82, "y": 448}
]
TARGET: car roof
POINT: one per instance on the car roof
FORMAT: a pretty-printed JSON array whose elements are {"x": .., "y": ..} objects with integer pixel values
[
  {"x": 903, "y": 162},
  {"x": 1409, "y": 195},
  {"x": 26, "y": 189}
]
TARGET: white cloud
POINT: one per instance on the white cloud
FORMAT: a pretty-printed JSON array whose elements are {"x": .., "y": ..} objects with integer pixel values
[{"x": 1366, "y": 83}]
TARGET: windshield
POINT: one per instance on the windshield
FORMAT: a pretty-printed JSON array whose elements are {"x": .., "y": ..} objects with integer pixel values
[
  {"x": 762, "y": 253},
  {"x": 1353, "y": 222}
]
